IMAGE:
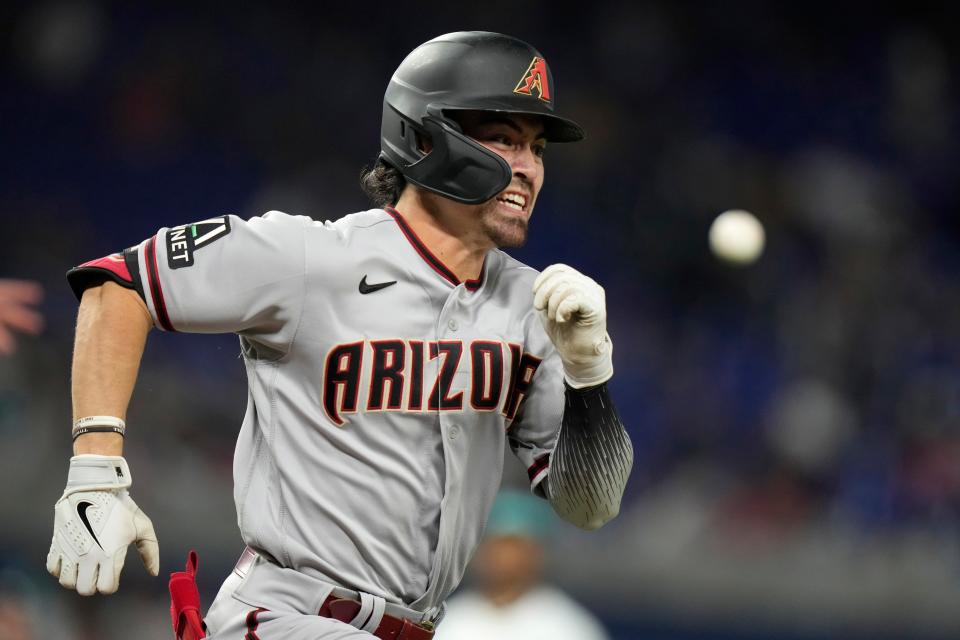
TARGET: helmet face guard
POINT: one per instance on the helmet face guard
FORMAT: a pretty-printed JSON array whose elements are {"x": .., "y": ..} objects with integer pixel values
[{"x": 477, "y": 71}]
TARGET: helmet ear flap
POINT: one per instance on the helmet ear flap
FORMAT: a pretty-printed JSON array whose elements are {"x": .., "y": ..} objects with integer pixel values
[
  {"x": 398, "y": 138},
  {"x": 456, "y": 166}
]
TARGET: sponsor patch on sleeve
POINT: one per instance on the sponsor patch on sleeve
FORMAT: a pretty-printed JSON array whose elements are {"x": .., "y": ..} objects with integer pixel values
[{"x": 185, "y": 240}]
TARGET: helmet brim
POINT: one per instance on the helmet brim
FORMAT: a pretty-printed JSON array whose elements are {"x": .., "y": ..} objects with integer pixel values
[{"x": 555, "y": 128}]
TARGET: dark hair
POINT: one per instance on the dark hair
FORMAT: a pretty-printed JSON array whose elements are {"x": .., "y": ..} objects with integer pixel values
[{"x": 383, "y": 184}]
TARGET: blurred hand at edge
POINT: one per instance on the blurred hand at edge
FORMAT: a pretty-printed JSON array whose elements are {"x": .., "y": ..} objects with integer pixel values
[{"x": 17, "y": 313}]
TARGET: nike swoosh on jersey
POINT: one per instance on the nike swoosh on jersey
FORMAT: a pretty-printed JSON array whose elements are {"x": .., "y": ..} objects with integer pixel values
[
  {"x": 370, "y": 288},
  {"x": 82, "y": 512}
]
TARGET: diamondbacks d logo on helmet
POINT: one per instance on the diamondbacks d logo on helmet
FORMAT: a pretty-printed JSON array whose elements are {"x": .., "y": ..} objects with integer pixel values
[{"x": 535, "y": 78}]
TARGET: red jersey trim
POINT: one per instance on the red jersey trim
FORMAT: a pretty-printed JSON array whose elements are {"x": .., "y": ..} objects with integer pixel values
[
  {"x": 435, "y": 263},
  {"x": 539, "y": 466},
  {"x": 156, "y": 291},
  {"x": 253, "y": 623}
]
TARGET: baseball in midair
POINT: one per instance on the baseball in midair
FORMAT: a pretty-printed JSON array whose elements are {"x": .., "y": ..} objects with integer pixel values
[{"x": 736, "y": 236}]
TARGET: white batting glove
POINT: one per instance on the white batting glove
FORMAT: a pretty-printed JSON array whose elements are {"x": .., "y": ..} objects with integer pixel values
[
  {"x": 573, "y": 311},
  {"x": 94, "y": 521}
]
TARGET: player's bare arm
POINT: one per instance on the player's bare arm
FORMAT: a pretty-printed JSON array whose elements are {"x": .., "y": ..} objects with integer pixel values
[
  {"x": 112, "y": 328},
  {"x": 95, "y": 519}
]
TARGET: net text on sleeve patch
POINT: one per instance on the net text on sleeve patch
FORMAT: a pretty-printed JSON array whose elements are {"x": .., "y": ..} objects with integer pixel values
[{"x": 184, "y": 240}]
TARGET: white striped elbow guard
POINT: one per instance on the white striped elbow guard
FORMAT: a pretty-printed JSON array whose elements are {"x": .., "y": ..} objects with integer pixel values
[{"x": 592, "y": 460}]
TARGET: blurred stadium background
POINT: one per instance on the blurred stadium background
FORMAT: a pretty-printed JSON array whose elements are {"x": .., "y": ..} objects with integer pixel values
[{"x": 796, "y": 422}]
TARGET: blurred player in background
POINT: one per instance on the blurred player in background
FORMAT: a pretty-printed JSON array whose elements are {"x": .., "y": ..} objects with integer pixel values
[{"x": 510, "y": 600}]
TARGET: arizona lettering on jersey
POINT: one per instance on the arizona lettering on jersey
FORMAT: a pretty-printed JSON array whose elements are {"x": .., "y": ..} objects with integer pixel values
[
  {"x": 392, "y": 373},
  {"x": 367, "y": 358}
]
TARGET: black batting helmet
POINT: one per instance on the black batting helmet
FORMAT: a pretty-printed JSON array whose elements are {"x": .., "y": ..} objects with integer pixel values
[{"x": 467, "y": 70}]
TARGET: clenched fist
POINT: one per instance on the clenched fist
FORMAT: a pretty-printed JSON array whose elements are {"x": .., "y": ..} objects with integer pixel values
[
  {"x": 573, "y": 312},
  {"x": 94, "y": 522}
]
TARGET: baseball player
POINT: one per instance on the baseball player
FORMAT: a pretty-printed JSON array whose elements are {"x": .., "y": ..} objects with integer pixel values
[{"x": 389, "y": 355}]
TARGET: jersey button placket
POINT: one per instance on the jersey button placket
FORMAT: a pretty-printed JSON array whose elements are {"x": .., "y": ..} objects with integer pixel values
[{"x": 452, "y": 324}]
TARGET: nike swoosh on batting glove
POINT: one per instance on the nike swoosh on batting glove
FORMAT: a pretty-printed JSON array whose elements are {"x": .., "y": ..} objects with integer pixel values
[
  {"x": 573, "y": 310},
  {"x": 94, "y": 522}
]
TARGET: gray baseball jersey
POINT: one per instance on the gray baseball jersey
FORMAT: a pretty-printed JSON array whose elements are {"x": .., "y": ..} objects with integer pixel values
[{"x": 381, "y": 388}]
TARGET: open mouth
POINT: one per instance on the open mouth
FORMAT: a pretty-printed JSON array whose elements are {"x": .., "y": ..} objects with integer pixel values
[{"x": 513, "y": 200}]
